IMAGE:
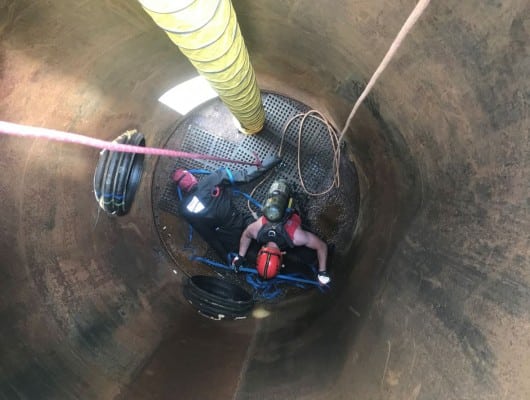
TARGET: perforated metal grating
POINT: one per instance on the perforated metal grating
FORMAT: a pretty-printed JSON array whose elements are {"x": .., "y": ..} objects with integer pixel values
[
  {"x": 316, "y": 154},
  {"x": 210, "y": 130}
]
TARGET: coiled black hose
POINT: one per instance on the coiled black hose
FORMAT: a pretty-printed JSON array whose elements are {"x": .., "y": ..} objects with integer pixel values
[
  {"x": 118, "y": 175},
  {"x": 216, "y": 298}
]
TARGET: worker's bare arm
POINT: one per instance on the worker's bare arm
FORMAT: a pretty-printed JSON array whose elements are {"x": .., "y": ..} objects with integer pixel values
[
  {"x": 308, "y": 239},
  {"x": 251, "y": 232}
]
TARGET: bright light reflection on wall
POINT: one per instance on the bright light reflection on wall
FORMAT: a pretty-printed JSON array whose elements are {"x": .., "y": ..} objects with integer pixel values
[{"x": 187, "y": 95}]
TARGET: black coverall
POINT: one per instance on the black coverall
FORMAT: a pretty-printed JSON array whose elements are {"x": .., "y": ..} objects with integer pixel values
[{"x": 209, "y": 210}]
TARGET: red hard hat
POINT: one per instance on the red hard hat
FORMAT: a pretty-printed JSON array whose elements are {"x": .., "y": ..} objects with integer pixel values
[
  {"x": 184, "y": 179},
  {"x": 269, "y": 262}
]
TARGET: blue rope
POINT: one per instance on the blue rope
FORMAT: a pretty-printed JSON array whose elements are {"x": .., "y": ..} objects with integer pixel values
[
  {"x": 284, "y": 277},
  {"x": 248, "y": 197},
  {"x": 230, "y": 176},
  {"x": 267, "y": 289},
  {"x": 179, "y": 193},
  {"x": 199, "y": 171}
]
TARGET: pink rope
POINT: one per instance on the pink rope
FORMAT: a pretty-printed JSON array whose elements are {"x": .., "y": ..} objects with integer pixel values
[
  {"x": 405, "y": 29},
  {"x": 9, "y": 128}
]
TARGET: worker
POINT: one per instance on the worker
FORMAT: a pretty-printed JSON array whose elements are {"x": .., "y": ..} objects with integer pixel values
[
  {"x": 277, "y": 230},
  {"x": 207, "y": 204}
]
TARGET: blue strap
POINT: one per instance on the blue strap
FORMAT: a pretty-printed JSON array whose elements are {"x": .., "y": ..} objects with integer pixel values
[
  {"x": 248, "y": 197},
  {"x": 199, "y": 171},
  {"x": 295, "y": 279},
  {"x": 179, "y": 193},
  {"x": 230, "y": 176}
]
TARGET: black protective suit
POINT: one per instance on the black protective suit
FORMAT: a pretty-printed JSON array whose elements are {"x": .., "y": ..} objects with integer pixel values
[{"x": 209, "y": 209}]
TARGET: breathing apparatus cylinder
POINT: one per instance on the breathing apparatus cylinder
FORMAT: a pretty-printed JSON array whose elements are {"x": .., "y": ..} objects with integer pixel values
[{"x": 277, "y": 200}]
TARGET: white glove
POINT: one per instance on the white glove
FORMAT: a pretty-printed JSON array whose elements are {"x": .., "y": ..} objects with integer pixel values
[
  {"x": 323, "y": 277},
  {"x": 238, "y": 262}
]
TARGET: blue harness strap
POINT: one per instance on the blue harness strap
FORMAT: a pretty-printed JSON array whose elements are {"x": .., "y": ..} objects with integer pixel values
[
  {"x": 248, "y": 197},
  {"x": 230, "y": 176},
  {"x": 237, "y": 191},
  {"x": 199, "y": 171}
]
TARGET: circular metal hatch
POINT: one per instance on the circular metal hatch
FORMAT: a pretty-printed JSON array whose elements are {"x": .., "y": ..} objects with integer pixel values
[{"x": 209, "y": 129}]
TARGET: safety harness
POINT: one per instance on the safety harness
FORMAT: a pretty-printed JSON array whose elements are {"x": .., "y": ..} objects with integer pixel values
[{"x": 275, "y": 232}]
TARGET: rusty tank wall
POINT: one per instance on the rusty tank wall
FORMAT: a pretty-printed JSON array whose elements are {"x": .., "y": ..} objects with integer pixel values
[{"x": 437, "y": 301}]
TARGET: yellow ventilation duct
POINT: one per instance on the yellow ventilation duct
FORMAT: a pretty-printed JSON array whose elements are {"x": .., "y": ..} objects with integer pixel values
[{"x": 207, "y": 32}]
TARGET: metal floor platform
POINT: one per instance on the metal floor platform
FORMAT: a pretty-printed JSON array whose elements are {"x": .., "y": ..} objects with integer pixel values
[{"x": 210, "y": 130}]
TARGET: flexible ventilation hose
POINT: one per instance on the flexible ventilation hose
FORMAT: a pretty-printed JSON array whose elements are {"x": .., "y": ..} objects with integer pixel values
[{"x": 208, "y": 34}]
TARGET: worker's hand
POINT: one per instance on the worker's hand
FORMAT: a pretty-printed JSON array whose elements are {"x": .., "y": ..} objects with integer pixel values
[
  {"x": 238, "y": 262},
  {"x": 270, "y": 161},
  {"x": 323, "y": 277}
]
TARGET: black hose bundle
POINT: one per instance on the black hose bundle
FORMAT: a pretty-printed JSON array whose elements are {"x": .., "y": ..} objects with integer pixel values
[
  {"x": 216, "y": 298},
  {"x": 118, "y": 175}
]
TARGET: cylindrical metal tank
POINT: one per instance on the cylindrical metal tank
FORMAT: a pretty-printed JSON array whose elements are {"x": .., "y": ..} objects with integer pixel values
[{"x": 436, "y": 305}]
